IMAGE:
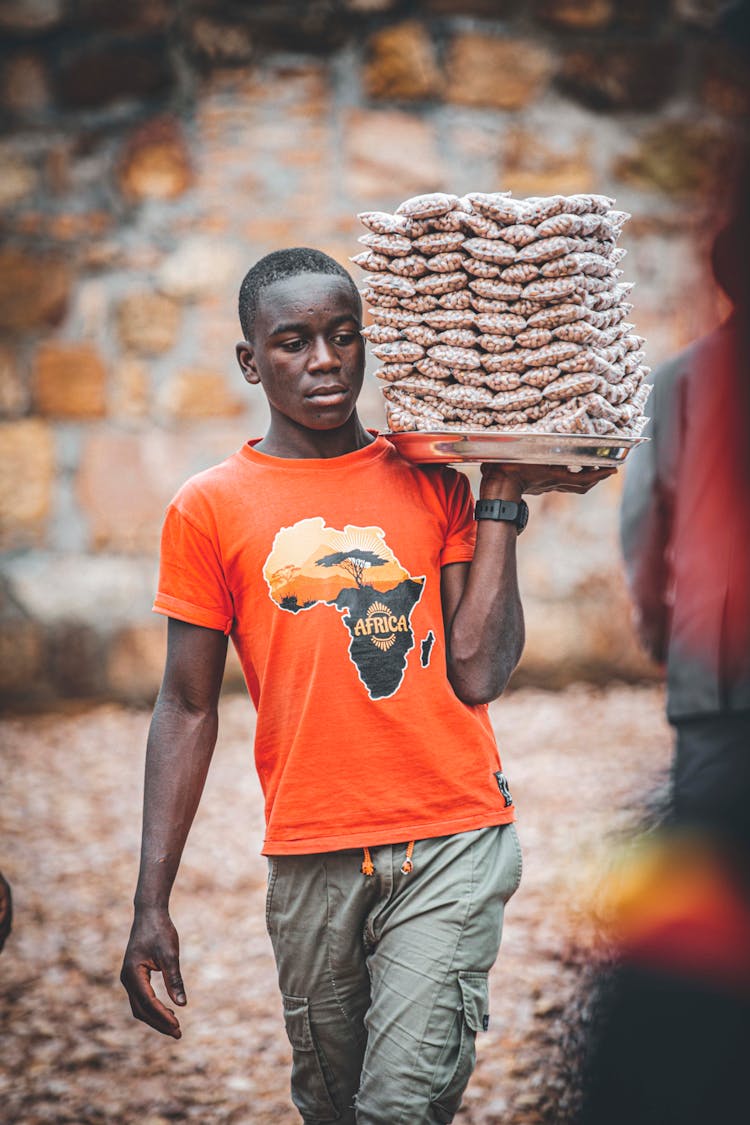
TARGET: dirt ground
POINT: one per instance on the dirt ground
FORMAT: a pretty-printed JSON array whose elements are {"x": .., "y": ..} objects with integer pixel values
[{"x": 582, "y": 763}]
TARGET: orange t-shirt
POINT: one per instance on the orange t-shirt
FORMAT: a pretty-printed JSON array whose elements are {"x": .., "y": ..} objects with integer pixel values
[{"x": 326, "y": 572}]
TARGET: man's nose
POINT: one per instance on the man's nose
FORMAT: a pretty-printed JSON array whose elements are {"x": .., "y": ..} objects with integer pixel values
[{"x": 324, "y": 356}]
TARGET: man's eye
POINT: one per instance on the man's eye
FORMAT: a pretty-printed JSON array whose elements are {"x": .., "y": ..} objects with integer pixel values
[
  {"x": 293, "y": 345},
  {"x": 343, "y": 339}
]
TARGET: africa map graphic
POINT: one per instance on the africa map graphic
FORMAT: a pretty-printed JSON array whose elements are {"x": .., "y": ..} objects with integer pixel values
[{"x": 355, "y": 571}]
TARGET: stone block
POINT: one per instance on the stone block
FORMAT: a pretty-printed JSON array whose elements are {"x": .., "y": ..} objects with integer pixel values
[
  {"x": 220, "y": 42},
  {"x": 536, "y": 164},
  {"x": 21, "y": 659},
  {"x": 18, "y": 177},
  {"x": 287, "y": 25},
  {"x": 217, "y": 329},
  {"x": 276, "y": 232},
  {"x": 97, "y": 75},
  {"x": 155, "y": 162},
  {"x": 91, "y": 590},
  {"x": 24, "y": 87},
  {"x": 69, "y": 381},
  {"x": 490, "y": 9},
  {"x": 125, "y": 480},
  {"x": 575, "y": 15},
  {"x": 402, "y": 64},
  {"x": 74, "y": 226},
  {"x": 642, "y": 15},
  {"x": 680, "y": 158},
  {"x": 30, "y": 15},
  {"x": 201, "y": 267},
  {"x": 57, "y": 169},
  {"x": 575, "y": 602},
  {"x": 123, "y": 487},
  {"x": 27, "y": 468},
  {"x": 131, "y": 390},
  {"x": 75, "y": 661},
  {"x": 507, "y": 73},
  {"x": 371, "y": 5},
  {"x": 589, "y": 638},
  {"x": 148, "y": 323},
  {"x": 34, "y": 290},
  {"x": 390, "y": 155},
  {"x": 135, "y": 662},
  {"x": 14, "y": 394},
  {"x": 196, "y": 393},
  {"x": 637, "y": 76},
  {"x": 136, "y": 15}
]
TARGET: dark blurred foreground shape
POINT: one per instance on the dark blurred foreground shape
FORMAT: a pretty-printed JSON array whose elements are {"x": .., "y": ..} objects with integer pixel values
[
  {"x": 668, "y": 1044},
  {"x": 671, "y": 1040}
]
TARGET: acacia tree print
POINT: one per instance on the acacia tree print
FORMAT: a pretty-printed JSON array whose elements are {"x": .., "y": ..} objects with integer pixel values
[{"x": 353, "y": 562}]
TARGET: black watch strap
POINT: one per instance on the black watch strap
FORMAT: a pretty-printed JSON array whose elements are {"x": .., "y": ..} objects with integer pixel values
[{"x": 506, "y": 510}]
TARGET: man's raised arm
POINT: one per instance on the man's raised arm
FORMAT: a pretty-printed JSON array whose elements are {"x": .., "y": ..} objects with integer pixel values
[
  {"x": 482, "y": 609},
  {"x": 181, "y": 741}
]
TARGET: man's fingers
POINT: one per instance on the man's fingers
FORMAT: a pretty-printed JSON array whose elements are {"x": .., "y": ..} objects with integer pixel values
[
  {"x": 166, "y": 1022},
  {"x": 145, "y": 1004},
  {"x": 562, "y": 480},
  {"x": 174, "y": 985},
  {"x": 158, "y": 1016}
]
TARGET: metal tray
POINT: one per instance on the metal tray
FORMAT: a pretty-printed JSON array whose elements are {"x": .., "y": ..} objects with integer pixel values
[{"x": 576, "y": 451}]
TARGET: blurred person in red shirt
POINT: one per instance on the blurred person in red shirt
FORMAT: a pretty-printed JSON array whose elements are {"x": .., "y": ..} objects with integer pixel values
[
  {"x": 668, "y": 1044},
  {"x": 686, "y": 543}
]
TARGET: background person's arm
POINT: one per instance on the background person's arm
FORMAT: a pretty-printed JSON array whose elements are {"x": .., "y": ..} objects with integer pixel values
[
  {"x": 482, "y": 609},
  {"x": 647, "y": 509},
  {"x": 181, "y": 741}
]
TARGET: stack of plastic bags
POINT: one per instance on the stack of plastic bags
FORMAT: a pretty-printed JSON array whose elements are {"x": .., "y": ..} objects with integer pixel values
[{"x": 503, "y": 314}]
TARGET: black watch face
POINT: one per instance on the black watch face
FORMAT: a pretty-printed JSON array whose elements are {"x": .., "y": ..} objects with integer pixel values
[{"x": 523, "y": 516}]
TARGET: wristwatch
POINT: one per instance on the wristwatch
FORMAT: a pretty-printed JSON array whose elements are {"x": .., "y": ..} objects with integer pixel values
[{"x": 508, "y": 510}]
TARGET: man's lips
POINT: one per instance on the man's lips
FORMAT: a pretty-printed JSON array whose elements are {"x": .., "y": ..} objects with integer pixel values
[{"x": 331, "y": 393}]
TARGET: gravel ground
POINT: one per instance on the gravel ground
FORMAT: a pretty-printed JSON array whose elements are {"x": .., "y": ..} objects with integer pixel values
[{"x": 581, "y": 763}]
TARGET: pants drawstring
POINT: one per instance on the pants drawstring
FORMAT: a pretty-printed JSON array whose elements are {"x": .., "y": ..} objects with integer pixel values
[{"x": 368, "y": 867}]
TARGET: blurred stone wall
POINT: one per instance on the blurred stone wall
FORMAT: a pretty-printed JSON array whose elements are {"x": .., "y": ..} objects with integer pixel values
[{"x": 152, "y": 150}]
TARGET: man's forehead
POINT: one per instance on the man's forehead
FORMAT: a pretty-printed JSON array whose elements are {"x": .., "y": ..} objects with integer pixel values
[{"x": 306, "y": 294}]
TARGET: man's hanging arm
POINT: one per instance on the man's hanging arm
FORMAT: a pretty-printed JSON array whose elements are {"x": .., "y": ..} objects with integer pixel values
[{"x": 180, "y": 745}]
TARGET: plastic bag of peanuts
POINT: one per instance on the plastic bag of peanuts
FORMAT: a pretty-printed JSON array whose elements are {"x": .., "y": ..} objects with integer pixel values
[{"x": 502, "y": 314}]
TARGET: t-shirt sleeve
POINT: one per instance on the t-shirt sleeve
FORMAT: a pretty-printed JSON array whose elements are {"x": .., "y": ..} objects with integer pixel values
[
  {"x": 192, "y": 586},
  {"x": 461, "y": 531}
]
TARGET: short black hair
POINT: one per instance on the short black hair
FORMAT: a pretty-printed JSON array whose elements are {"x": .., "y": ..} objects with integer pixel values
[{"x": 278, "y": 266}]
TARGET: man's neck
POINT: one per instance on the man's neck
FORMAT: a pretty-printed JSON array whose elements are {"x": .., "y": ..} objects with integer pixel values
[{"x": 285, "y": 438}]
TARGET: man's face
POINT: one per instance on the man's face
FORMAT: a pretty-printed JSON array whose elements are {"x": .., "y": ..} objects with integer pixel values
[{"x": 307, "y": 351}]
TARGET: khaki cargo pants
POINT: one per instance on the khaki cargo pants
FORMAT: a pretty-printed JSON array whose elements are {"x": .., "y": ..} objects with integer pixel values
[{"x": 384, "y": 977}]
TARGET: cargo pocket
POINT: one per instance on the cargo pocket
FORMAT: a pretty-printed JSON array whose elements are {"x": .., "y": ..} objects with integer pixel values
[
  {"x": 459, "y": 1055},
  {"x": 273, "y": 871},
  {"x": 513, "y": 833},
  {"x": 310, "y": 1091}
]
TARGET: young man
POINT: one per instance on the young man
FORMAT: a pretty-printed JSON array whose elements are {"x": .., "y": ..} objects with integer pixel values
[{"x": 372, "y": 632}]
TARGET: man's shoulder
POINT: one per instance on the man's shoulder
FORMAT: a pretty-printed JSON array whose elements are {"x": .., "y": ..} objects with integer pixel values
[
  {"x": 211, "y": 485},
  {"x": 439, "y": 485},
  {"x": 693, "y": 359},
  {"x": 435, "y": 474}
]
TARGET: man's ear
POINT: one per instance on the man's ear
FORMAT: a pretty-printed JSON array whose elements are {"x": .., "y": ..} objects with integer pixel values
[{"x": 246, "y": 360}]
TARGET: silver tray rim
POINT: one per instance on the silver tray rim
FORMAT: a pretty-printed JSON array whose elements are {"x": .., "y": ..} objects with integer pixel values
[{"x": 466, "y": 446}]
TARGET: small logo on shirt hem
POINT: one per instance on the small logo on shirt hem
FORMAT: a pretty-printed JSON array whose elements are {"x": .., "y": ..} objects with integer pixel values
[{"x": 502, "y": 784}]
